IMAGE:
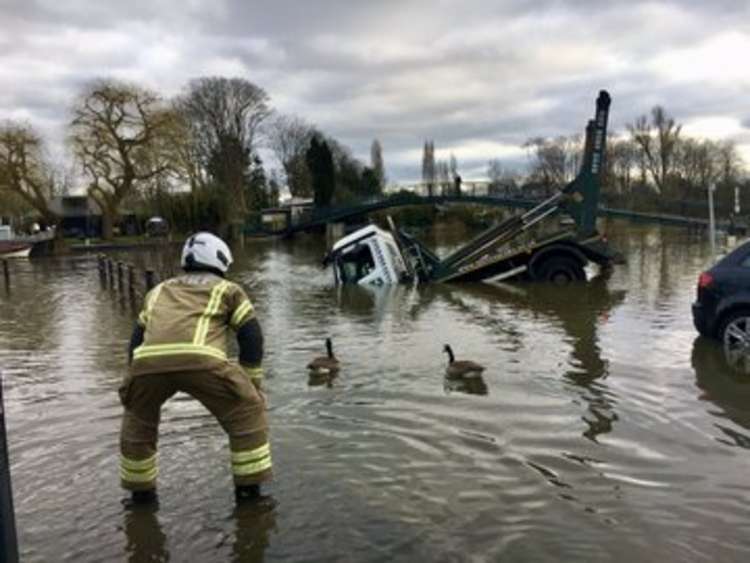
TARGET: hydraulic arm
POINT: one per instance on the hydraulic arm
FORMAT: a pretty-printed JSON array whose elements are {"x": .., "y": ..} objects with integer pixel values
[{"x": 579, "y": 199}]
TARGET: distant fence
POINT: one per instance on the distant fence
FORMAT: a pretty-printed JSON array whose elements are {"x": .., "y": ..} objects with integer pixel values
[{"x": 302, "y": 219}]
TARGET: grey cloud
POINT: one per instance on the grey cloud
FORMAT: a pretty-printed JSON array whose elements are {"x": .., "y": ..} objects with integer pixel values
[{"x": 401, "y": 71}]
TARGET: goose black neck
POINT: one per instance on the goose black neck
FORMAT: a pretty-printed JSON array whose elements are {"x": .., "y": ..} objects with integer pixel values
[
  {"x": 451, "y": 358},
  {"x": 329, "y": 347}
]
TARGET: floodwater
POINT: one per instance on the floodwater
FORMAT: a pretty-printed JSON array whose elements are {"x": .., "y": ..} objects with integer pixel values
[{"x": 601, "y": 430}]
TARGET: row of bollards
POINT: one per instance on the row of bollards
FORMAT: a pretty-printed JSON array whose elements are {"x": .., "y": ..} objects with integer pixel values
[{"x": 115, "y": 275}]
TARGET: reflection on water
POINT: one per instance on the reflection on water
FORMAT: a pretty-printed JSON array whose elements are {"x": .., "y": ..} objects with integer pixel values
[
  {"x": 145, "y": 539},
  {"x": 600, "y": 427},
  {"x": 321, "y": 379},
  {"x": 727, "y": 390},
  {"x": 578, "y": 310},
  {"x": 252, "y": 530},
  {"x": 474, "y": 385}
]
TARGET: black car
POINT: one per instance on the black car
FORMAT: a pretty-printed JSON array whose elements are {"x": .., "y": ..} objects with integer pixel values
[{"x": 722, "y": 310}]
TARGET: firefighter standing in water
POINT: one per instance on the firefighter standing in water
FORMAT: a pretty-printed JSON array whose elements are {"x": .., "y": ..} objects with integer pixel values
[{"x": 178, "y": 344}]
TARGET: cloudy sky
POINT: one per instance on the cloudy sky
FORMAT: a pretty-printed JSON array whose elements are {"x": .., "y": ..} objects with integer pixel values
[{"x": 477, "y": 76}]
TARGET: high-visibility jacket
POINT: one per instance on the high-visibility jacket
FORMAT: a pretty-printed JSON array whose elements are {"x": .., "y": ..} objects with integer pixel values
[{"x": 185, "y": 321}]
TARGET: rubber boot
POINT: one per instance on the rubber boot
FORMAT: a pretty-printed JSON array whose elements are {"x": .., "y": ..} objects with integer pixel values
[
  {"x": 141, "y": 498},
  {"x": 247, "y": 493}
]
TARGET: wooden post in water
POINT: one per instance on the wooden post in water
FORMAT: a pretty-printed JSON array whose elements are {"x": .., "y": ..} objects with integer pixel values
[
  {"x": 102, "y": 269},
  {"x": 149, "y": 276},
  {"x": 6, "y": 274},
  {"x": 110, "y": 273},
  {"x": 9, "y": 542},
  {"x": 131, "y": 282},
  {"x": 119, "y": 277}
]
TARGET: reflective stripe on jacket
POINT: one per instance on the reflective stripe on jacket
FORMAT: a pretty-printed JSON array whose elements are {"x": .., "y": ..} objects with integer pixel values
[{"x": 185, "y": 321}]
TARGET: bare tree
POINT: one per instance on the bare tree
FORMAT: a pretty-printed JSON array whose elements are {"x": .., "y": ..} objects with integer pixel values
[
  {"x": 119, "y": 134},
  {"x": 697, "y": 163},
  {"x": 554, "y": 161},
  {"x": 701, "y": 163},
  {"x": 25, "y": 174},
  {"x": 225, "y": 115},
  {"x": 621, "y": 163},
  {"x": 730, "y": 162},
  {"x": 503, "y": 181},
  {"x": 658, "y": 139},
  {"x": 188, "y": 165},
  {"x": 289, "y": 138}
]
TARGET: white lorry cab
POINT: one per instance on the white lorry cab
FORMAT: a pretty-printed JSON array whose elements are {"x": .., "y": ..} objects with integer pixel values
[{"x": 368, "y": 256}]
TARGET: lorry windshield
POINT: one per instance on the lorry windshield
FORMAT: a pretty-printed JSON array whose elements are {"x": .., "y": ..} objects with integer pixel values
[{"x": 356, "y": 264}]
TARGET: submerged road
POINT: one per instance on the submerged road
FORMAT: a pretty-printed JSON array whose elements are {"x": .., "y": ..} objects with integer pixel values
[{"x": 602, "y": 429}]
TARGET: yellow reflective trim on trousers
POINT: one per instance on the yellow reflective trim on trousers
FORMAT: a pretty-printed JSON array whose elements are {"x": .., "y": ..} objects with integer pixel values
[
  {"x": 252, "y": 468},
  {"x": 139, "y": 477},
  {"x": 243, "y": 312},
  {"x": 251, "y": 455},
  {"x": 253, "y": 373},
  {"x": 201, "y": 329},
  {"x": 137, "y": 464},
  {"x": 156, "y": 350}
]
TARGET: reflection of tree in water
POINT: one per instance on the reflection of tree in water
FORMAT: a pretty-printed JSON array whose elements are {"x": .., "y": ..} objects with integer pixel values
[
  {"x": 725, "y": 389},
  {"x": 580, "y": 317},
  {"x": 145, "y": 539},
  {"x": 578, "y": 309}
]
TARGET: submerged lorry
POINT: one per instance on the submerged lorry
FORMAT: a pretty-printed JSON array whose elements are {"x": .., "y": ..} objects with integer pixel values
[{"x": 372, "y": 255}]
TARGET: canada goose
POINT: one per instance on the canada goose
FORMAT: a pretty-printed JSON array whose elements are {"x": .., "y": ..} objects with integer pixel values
[
  {"x": 325, "y": 364},
  {"x": 461, "y": 368}
]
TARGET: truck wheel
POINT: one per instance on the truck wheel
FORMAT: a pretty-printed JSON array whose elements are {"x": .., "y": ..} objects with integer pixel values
[{"x": 561, "y": 270}]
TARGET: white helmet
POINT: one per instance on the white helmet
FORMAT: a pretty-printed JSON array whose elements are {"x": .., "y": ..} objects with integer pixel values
[{"x": 205, "y": 250}]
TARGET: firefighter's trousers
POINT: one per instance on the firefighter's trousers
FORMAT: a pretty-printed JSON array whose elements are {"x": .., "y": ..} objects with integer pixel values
[{"x": 230, "y": 396}]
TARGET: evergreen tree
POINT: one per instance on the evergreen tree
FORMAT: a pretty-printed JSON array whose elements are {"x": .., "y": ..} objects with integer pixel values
[
  {"x": 370, "y": 182},
  {"x": 376, "y": 161},
  {"x": 320, "y": 162}
]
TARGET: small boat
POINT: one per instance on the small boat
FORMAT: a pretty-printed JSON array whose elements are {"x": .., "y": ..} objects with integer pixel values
[
  {"x": 12, "y": 246},
  {"x": 13, "y": 249}
]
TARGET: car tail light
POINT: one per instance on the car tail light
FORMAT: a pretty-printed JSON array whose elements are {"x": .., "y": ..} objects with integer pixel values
[{"x": 705, "y": 280}]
